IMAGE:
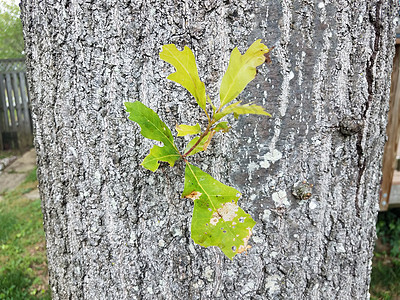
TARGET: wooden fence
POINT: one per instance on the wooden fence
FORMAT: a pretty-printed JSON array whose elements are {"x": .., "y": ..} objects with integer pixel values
[{"x": 15, "y": 117}]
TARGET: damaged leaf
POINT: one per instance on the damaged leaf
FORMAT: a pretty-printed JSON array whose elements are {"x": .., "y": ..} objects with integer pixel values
[
  {"x": 193, "y": 195},
  {"x": 208, "y": 140},
  {"x": 186, "y": 71},
  {"x": 241, "y": 70},
  {"x": 217, "y": 219},
  {"x": 153, "y": 128}
]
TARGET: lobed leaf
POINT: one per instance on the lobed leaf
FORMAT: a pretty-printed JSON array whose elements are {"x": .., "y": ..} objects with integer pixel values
[
  {"x": 157, "y": 153},
  {"x": 241, "y": 70},
  {"x": 153, "y": 128},
  {"x": 186, "y": 71},
  {"x": 217, "y": 219},
  {"x": 187, "y": 129}
]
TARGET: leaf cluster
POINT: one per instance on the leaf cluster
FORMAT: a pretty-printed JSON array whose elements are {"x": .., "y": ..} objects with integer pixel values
[
  {"x": 11, "y": 37},
  {"x": 217, "y": 219}
]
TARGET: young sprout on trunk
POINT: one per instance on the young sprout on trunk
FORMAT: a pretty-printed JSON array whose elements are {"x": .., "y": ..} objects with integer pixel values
[{"x": 217, "y": 219}]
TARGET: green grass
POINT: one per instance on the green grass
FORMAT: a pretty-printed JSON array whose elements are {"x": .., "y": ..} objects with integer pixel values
[
  {"x": 23, "y": 266},
  {"x": 385, "y": 278},
  {"x": 31, "y": 177}
]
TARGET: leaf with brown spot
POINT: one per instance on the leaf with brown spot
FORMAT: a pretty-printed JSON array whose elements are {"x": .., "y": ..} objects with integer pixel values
[
  {"x": 193, "y": 195},
  {"x": 217, "y": 219}
]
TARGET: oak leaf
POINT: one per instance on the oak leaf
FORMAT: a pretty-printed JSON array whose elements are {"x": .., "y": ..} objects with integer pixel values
[
  {"x": 217, "y": 219},
  {"x": 241, "y": 70},
  {"x": 186, "y": 71},
  {"x": 153, "y": 128}
]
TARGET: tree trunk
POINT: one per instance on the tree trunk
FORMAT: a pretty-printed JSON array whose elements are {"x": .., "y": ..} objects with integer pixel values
[{"x": 117, "y": 231}]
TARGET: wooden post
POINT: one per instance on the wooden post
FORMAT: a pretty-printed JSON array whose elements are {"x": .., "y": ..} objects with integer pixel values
[{"x": 392, "y": 131}]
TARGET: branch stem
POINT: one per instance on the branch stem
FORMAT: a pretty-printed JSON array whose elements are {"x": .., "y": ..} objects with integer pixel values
[{"x": 202, "y": 136}]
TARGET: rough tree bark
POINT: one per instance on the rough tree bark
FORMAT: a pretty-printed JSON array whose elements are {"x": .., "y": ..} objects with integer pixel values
[{"x": 117, "y": 231}]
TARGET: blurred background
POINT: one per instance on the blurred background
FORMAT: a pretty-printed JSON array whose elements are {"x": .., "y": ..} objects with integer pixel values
[{"x": 23, "y": 266}]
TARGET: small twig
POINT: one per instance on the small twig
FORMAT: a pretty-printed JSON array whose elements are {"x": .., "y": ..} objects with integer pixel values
[{"x": 199, "y": 140}]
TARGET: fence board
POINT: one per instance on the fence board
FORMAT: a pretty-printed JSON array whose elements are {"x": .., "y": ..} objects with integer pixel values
[
  {"x": 3, "y": 105},
  {"x": 10, "y": 102},
  {"x": 25, "y": 100},
  {"x": 17, "y": 100},
  {"x": 15, "y": 117}
]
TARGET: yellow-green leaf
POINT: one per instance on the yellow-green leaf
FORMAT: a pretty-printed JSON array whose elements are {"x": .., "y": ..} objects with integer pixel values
[
  {"x": 188, "y": 129},
  {"x": 249, "y": 108},
  {"x": 186, "y": 71},
  {"x": 153, "y": 128},
  {"x": 237, "y": 110},
  {"x": 217, "y": 219},
  {"x": 226, "y": 111},
  {"x": 241, "y": 70}
]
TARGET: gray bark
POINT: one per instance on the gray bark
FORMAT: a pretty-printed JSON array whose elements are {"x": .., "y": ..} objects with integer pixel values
[{"x": 117, "y": 231}]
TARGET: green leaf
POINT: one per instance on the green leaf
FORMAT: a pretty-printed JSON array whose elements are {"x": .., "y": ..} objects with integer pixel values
[
  {"x": 226, "y": 111},
  {"x": 241, "y": 70},
  {"x": 186, "y": 71},
  {"x": 188, "y": 129},
  {"x": 153, "y": 128},
  {"x": 223, "y": 126},
  {"x": 217, "y": 219},
  {"x": 200, "y": 147},
  {"x": 157, "y": 153}
]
